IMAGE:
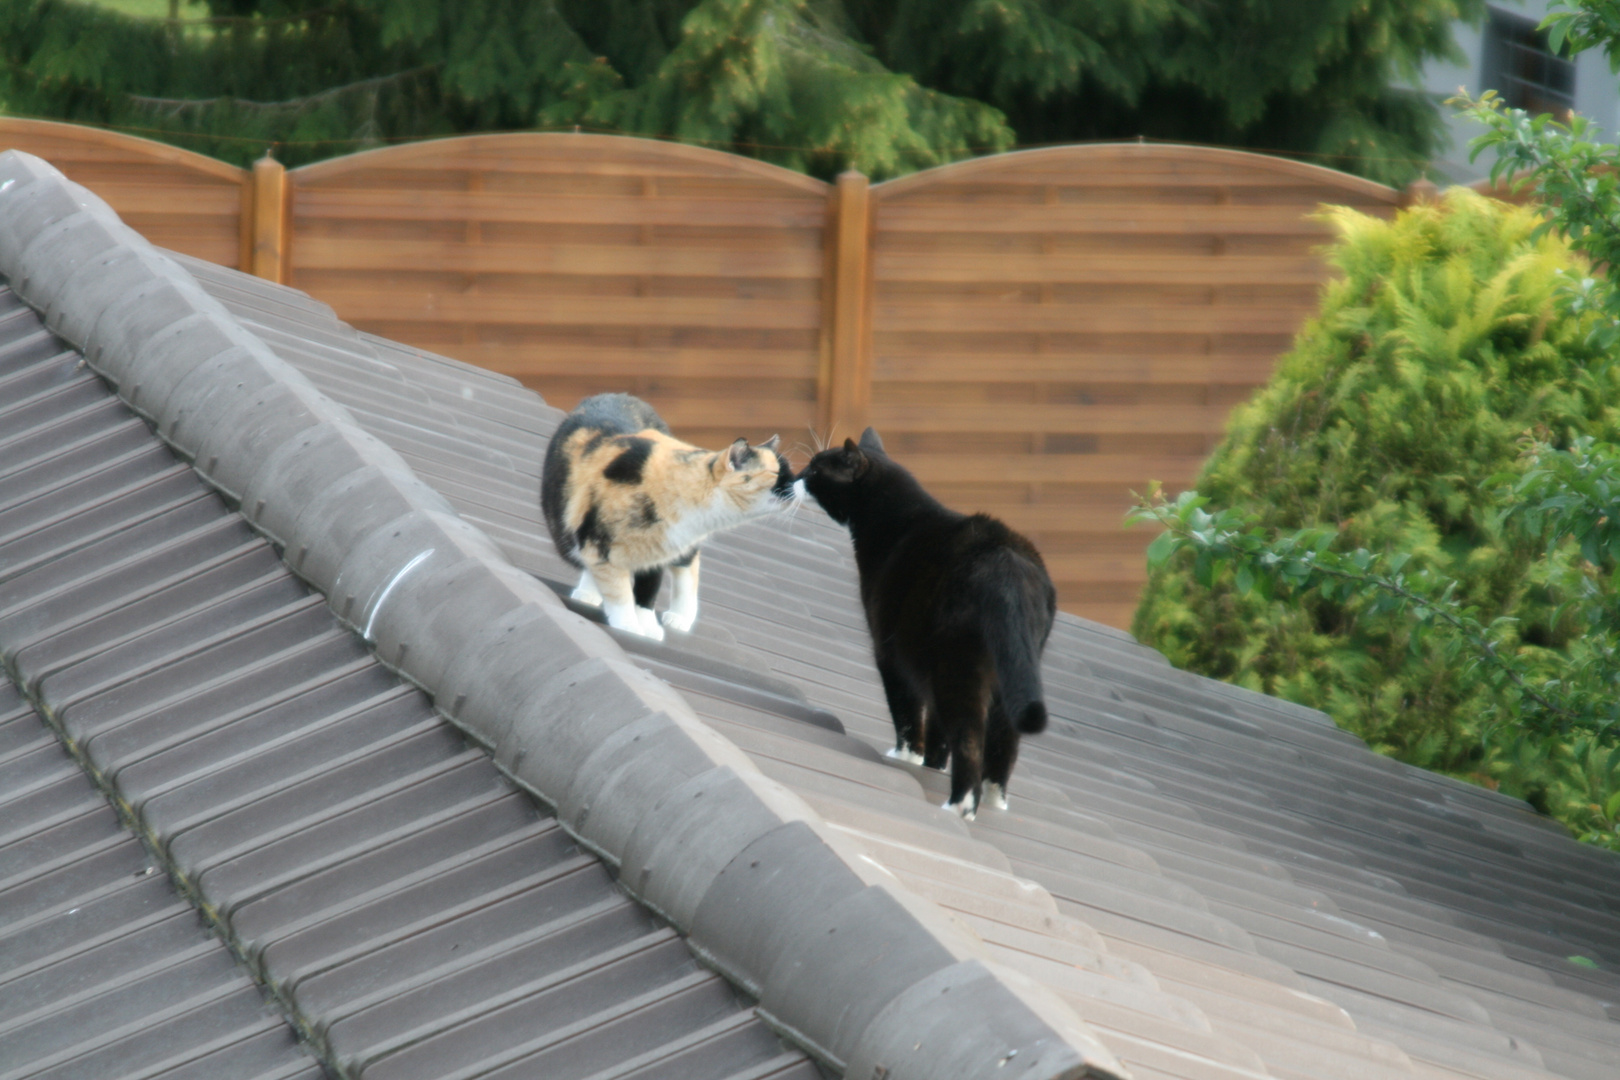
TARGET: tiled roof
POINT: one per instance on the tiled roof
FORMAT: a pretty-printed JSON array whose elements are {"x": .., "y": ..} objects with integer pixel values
[
  {"x": 416, "y": 914},
  {"x": 1207, "y": 882},
  {"x": 844, "y": 961}
]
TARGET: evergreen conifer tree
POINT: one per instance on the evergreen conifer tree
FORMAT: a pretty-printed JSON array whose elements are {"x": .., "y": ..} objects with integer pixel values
[{"x": 886, "y": 86}]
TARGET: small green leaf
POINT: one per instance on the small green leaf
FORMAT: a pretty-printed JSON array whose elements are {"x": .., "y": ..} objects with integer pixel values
[{"x": 1164, "y": 545}]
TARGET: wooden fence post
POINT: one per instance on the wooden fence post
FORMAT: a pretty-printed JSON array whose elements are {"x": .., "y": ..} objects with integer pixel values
[
  {"x": 1418, "y": 192},
  {"x": 269, "y": 219},
  {"x": 844, "y": 388}
]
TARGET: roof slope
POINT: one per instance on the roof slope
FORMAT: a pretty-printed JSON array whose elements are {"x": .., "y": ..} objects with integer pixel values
[
  {"x": 848, "y": 962},
  {"x": 413, "y": 911},
  {"x": 1220, "y": 884},
  {"x": 1309, "y": 907}
]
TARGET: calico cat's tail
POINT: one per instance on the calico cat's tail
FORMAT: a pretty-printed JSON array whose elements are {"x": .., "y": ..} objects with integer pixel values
[{"x": 1017, "y": 635}]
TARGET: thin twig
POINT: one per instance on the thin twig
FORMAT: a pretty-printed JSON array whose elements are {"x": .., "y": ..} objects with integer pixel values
[{"x": 177, "y": 105}]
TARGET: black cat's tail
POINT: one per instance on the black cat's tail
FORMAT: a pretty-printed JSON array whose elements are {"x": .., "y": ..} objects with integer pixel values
[{"x": 1017, "y": 634}]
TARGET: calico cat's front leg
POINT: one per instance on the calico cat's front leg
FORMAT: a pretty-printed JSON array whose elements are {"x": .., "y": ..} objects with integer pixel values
[
  {"x": 586, "y": 591},
  {"x": 683, "y": 600},
  {"x": 619, "y": 602}
]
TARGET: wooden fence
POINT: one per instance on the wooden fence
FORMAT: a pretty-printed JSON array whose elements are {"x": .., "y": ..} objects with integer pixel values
[{"x": 1036, "y": 334}]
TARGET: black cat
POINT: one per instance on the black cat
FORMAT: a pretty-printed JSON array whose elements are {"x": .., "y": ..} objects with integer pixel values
[{"x": 959, "y": 608}]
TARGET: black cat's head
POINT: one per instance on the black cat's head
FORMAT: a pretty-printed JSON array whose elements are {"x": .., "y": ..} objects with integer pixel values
[{"x": 836, "y": 476}]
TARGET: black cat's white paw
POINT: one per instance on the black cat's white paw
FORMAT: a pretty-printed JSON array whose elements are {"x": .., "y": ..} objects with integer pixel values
[
  {"x": 907, "y": 755},
  {"x": 995, "y": 796},
  {"x": 967, "y": 809}
]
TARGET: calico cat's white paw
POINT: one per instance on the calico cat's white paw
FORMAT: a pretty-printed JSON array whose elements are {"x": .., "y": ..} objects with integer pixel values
[
  {"x": 995, "y": 796},
  {"x": 910, "y": 757},
  {"x": 967, "y": 809},
  {"x": 631, "y": 620},
  {"x": 586, "y": 591},
  {"x": 677, "y": 620}
]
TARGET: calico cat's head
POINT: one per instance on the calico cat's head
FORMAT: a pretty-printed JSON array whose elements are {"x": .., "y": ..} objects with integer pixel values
[
  {"x": 835, "y": 476},
  {"x": 756, "y": 479}
]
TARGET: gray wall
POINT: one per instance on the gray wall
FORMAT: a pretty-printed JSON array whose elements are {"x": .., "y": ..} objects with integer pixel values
[{"x": 1597, "y": 92}]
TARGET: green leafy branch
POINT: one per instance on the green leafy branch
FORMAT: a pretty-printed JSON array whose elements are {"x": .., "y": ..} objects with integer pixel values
[
  {"x": 1577, "y": 175},
  {"x": 1578, "y": 694}
]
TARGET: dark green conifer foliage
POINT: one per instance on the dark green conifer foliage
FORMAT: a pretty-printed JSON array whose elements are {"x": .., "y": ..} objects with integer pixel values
[
  {"x": 1442, "y": 346},
  {"x": 886, "y": 86}
]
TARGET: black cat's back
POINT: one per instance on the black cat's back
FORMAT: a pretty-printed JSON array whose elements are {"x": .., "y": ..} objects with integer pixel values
[{"x": 970, "y": 586}]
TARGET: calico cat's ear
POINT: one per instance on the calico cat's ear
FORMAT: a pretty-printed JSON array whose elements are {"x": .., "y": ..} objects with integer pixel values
[
  {"x": 771, "y": 443},
  {"x": 870, "y": 440},
  {"x": 737, "y": 456}
]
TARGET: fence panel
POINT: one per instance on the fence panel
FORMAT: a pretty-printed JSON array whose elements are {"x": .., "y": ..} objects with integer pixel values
[
  {"x": 580, "y": 263},
  {"x": 174, "y": 198},
  {"x": 1053, "y": 328},
  {"x": 1036, "y": 334}
]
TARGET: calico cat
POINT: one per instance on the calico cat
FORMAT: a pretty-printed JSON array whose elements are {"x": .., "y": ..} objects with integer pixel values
[
  {"x": 959, "y": 608},
  {"x": 624, "y": 500}
]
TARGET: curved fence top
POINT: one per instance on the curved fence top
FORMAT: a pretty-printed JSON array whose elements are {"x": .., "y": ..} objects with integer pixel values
[
  {"x": 629, "y": 152},
  {"x": 115, "y": 146},
  {"x": 1238, "y": 164}
]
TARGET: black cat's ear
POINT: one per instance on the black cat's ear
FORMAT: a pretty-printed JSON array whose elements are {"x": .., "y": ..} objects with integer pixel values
[
  {"x": 737, "y": 456},
  {"x": 870, "y": 440},
  {"x": 771, "y": 443},
  {"x": 850, "y": 447}
]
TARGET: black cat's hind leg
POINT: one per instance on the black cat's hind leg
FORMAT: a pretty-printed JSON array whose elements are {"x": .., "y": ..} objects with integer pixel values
[
  {"x": 961, "y": 696},
  {"x": 936, "y": 741},
  {"x": 906, "y": 710},
  {"x": 1000, "y": 753},
  {"x": 648, "y": 582}
]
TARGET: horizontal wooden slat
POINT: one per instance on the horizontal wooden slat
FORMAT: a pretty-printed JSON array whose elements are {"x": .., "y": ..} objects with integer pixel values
[
  {"x": 1087, "y": 568},
  {"x": 1126, "y": 269},
  {"x": 719, "y": 212},
  {"x": 607, "y": 362},
  {"x": 1080, "y": 217},
  {"x": 326, "y": 253},
  {"x": 1079, "y": 367},
  {"x": 1100, "y": 514},
  {"x": 1122, "y": 469},
  {"x": 1094, "y": 318},
  {"x": 216, "y": 199},
  {"x": 572, "y": 310},
  {"x": 1050, "y": 418}
]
